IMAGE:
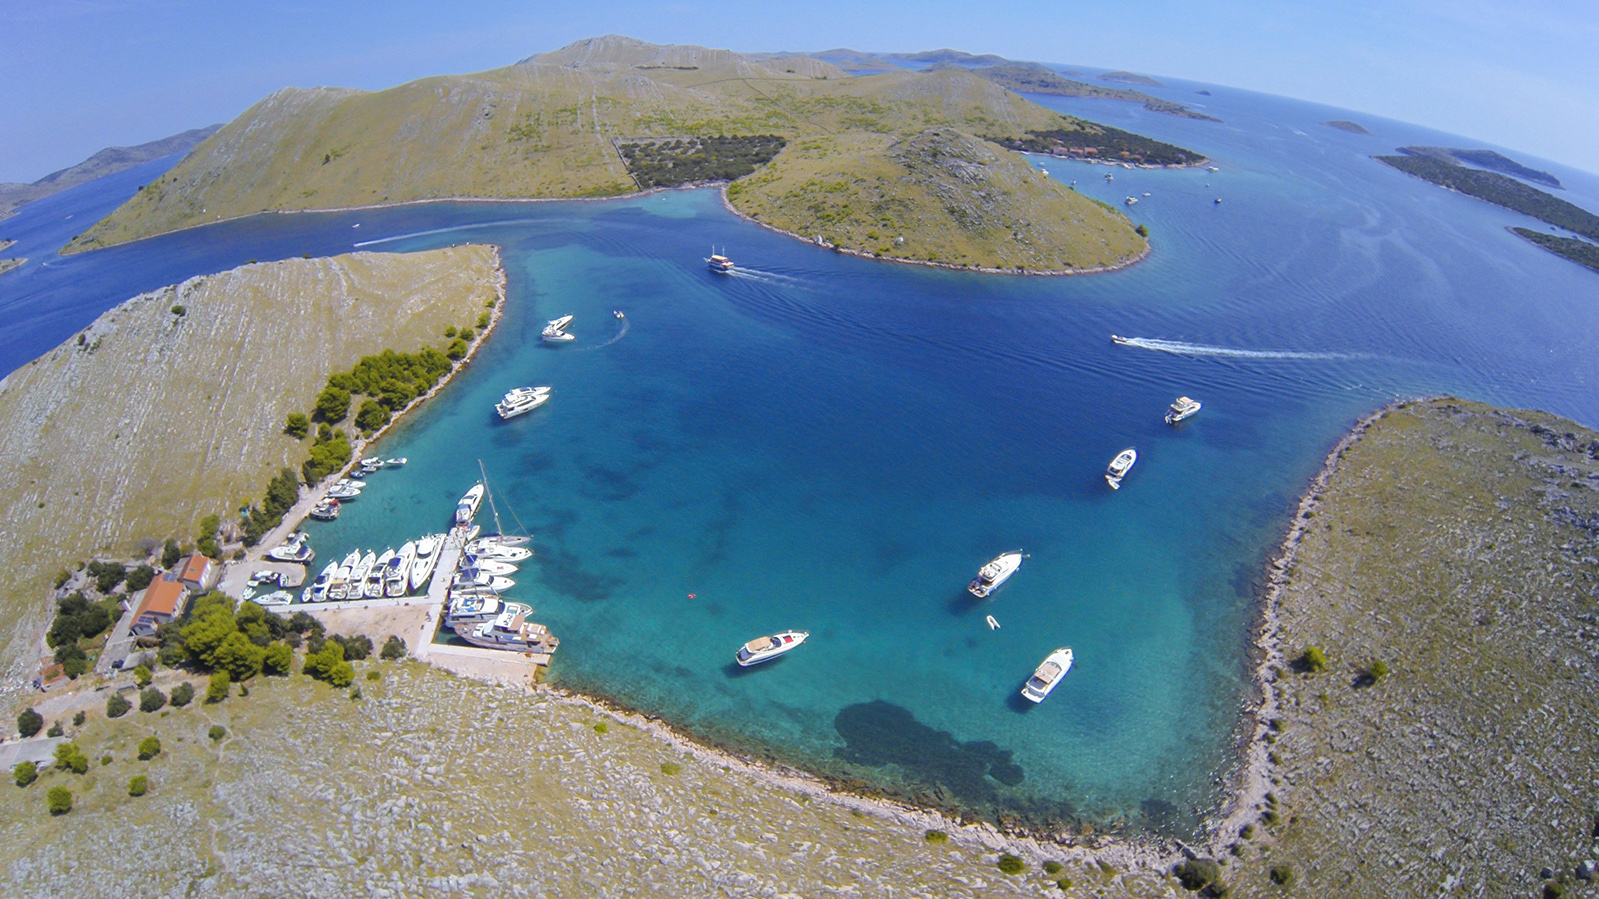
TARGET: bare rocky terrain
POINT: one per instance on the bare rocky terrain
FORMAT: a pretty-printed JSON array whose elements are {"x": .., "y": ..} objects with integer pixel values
[
  {"x": 1458, "y": 545},
  {"x": 171, "y": 406}
]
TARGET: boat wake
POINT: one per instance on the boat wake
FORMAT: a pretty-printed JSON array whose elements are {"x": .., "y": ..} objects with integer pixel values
[
  {"x": 429, "y": 233},
  {"x": 767, "y": 277},
  {"x": 1182, "y": 348},
  {"x": 620, "y": 333}
]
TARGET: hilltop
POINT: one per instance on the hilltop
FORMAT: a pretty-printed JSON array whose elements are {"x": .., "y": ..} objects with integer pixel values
[
  {"x": 172, "y": 405},
  {"x": 106, "y": 162},
  {"x": 549, "y": 127}
]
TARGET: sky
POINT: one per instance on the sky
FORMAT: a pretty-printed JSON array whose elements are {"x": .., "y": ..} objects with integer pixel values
[{"x": 81, "y": 75}]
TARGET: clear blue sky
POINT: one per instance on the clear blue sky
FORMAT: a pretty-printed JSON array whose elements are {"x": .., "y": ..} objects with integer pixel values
[{"x": 80, "y": 75}]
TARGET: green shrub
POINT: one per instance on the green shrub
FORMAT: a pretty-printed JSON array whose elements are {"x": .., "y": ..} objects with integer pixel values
[
  {"x": 277, "y": 659},
  {"x": 1314, "y": 659},
  {"x": 25, "y": 773},
  {"x": 1010, "y": 864},
  {"x": 59, "y": 800},
  {"x": 70, "y": 758},
  {"x": 149, "y": 748},
  {"x": 456, "y": 349},
  {"x": 29, "y": 723},
  {"x": 179, "y": 310},
  {"x": 79, "y": 718},
  {"x": 393, "y": 648},
  {"x": 182, "y": 694},
  {"x": 936, "y": 837},
  {"x": 449, "y": 332},
  {"x": 1053, "y": 868},
  {"x": 151, "y": 700},
  {"x": 1065, "y": 884},
  {"x": 1378, "y": 670},
  {"x": 216, "y": 732},
  {"x": 55, "y": 730},
  {"x": 105, "y": 760},
  {"x": 332, "y": 405},
  {"x": 483, "y": 321},
  {"x": 139, "y": 578},
  {"x": 1247, "y": 832},
  {"x": 670, "y": 767},
  {"x": 297, "y": 425},
  {"x": 1198, "y": 873},
  {"x": 355, "y": 694},
  {"x": 1282, "y": 875},
  {"x": 221, "y": 684},
  {"x": 602, "y": 728},
  {"x": 466, "y": 334},
  {"x": 116, "y": 706},
  {"x": 170, "y": 553},
  {"x": 139, "y": 785}
]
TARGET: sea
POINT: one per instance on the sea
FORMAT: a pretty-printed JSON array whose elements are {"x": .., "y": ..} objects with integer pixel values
[{"x": 835, "y": 445}]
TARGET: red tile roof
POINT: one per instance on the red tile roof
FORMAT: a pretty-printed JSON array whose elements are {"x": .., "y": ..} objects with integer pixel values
[
  {"x": 161, "y": 598},
  {"x": 193, "y": 569}
]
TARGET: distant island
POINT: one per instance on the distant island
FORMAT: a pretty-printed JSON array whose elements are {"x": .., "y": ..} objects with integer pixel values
[
  {"x": 665, "y": 116},
  {"x": 1484, "y": 159},
  {"x": 7, "y": 265},
  {"x": 1038, "y": 79},
  {"x": 106, "y": 162},
  {"x": 1499, "y": 190},
  {"x": 1344, "y": 125},
  {"x": 1579, "y": 251},
  {"x": 1130, "y": 78}
]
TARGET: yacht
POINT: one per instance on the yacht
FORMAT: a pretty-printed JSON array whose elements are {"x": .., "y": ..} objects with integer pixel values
[
  {"x": 491, "y": 566},
  {"x": 358, "y": 575},
  {"x": 396, "y": 462},
  {"x": 295, "y": 549},
  {"x": 764, "y": 649},
  {"x": 498, "y": 551},
  {"x": 1130, "y": 200},
  {"x": 341, "y": 491},
  {"x": 427, "y": 555},
  {"x": 372, "y": 587},
  {"x": 477, "y": 577},
  {"x": 1181, "y": 408},
  {"x": 524, "y": 392},
  {"x": 995, "y": 573},
  {"x": 506, "y": 540},
  {"x": 339, "y": 584},
  {"x": 560, "y": 324},
  {"x": 475, "y": 609},
  {"x": 397, "y": 577},
  {"x": 555, "y": 331},
  {"x": 1051, "y": 672},
  {"x": 466, "y": 509},
  {"x": 509, "y": 630},
  {"x": 510, "y": 408},
  {"x": 719, "y": 264},
  {"x": 318, "y": 591},
  {"x": 326, "y": 510},
  {"x": 1119, "y": 467}
]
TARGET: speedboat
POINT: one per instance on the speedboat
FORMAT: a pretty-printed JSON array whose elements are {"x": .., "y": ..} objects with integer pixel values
[
  {"x": 491, "y": 566},
  {"x": 397, "y": 577},
  {"x": 510, "y": 408},
  {"x": 1181, "y": 408},
  {"x": 1051, "y": 672},
  {"x": 618, "y": 313},
  {"x": 366, "y": 470},
  {"x": 1119, "y": 340},
  {"x": 396, "y": 462},
  {"x": 764, "y": 649},
  {"x": 1119, "y": 467},
  {"x": 497, "y": 551},
  {"x": 426, "y": 557},
  {"x": 372, "y": 587},
  {"x": 1131, "y": 200},
  {"x": 295, "y": 549},
  {"x": 372, "y": 462},
  {"x": 555, "y": 331},
  {"x": 349, "y": 482},
  {"x": 510, "y": 630},
  {"x": 476, "y": 577},
  {"x": 997, "y": 572},
  {"x": 559, "y": 324},
  {"x": 477, "y": 608},
  {"x": 719, "y": 264},
  {"x": 275, "y": 598},
  {"x": 340, "y": 491},
  {"x": 466, "y": 509},
  {"x": 327, "y": 510}
]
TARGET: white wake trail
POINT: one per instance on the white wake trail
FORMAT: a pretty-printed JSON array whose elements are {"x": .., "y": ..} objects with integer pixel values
[{"x": 1182, "y": 348}]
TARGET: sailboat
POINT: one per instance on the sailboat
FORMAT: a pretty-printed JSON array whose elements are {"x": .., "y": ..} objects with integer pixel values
[{"x": 498, "y": 537}]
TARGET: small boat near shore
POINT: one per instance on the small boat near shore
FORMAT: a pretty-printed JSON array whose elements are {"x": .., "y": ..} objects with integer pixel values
[
  {"x": 991, "y": 576},
  {"x": 343, "y": 491},
  {"x": 326, "y": 510},
  {"x": 297, "y": 548},
  {"x": 1048, "y": 675},
  {"x": 764, "y": 649},
  {"x": 396, "y": 462},
  {"x": 1119, "y": 467},
  {"x": 1181, "y": 408}
]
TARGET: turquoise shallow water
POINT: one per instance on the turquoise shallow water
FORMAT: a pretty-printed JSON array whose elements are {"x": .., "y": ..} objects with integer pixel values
[{"x": 835, "y": 445}]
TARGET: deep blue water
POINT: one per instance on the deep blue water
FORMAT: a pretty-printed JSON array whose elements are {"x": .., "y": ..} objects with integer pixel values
[{"x": 835, "y": 445}]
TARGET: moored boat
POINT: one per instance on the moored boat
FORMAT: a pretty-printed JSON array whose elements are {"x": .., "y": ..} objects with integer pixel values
[
  {"x": 991, "y": 576},
  {"x": 491, "y": 566},
  {"x": 764, "y": 649},
  {"x": 476, "y": 577},
  {"x": 397, "y": 577},
  {"x": 510, "y": 630},
  {"x": 375, "y": 578},
  {"x": 396, "y": 462},
  {"x": 1119, "y": 467},
  {"x": 326, "y": 510},
  {"x": 318, "y": 591},
  {"x": 427, "y": 555},
  {"x": 1181, "y": 408},
  {"x": 497, "y": 551},
  {"x": 509, "y": 408},
  {"x": 342, "y": 492},
  {"x": 466, "y": 509},
  {"x": 1048, "y": 674},
  {"x": 295, "y": 549},
  {"x": 474, "y": 609}
]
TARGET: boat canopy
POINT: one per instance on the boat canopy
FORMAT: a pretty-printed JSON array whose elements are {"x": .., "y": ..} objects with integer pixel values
[{"x": 762, "y": 644}]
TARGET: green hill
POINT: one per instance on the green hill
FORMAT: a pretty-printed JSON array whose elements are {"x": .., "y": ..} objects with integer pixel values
[{"x": 550, "y": 126}]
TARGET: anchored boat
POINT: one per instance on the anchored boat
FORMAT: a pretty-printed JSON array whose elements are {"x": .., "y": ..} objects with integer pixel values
[
  {"x": 1119, "y": 467},
  {"x": 764, "y": 649},
  {"x": 997, "y": 572},
  {"x": 1181, "y": 408},
  {"x": 1048, "y": 674}
]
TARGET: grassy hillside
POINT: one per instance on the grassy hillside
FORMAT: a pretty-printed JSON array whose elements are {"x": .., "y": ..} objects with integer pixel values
[
  {"x": 545, "y": 127},
  {"x": 938, "y": 196},
  {"x": 106, "y": 162},
  {"x": 152, "y": 418},
  {"x": 1458, "y": 545}
]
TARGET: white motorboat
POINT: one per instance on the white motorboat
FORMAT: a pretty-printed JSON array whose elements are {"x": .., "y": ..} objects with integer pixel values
[
  {"x": 764, "y": 649},
  {"x": 318, "y": 591},
  {"x": 397, "y": 577},
  {"x": 275, "y": 598},
  {"x": 555, "y": 331},
  {"x": 475, "y": 609},
  {"x": 1051, "y": 672},
  {"x": 327, "y": 510},
  {"x": 474, "y": 577},
  {"x": 618, "y": 313},
  {"x": 509, "y": 408},
  {"x": 503, "y": 539},
  {"x": 995, "y": 573},
  {"x": 1119, "y": 467},
  {"x": 466, "y": 509},
  {"x": 350, "y": 482},
  {"x": 396, "y": 462},
  {"x": 559, "y": 324},
  {"x": 358, "y": 575},
  {"x": 1130, "y": 200},
  {"x": 719, "y": 264},
  {"x": 1119, "y": 340},
  {"x": 521, "y": 392},
  {"x": 510, "y": 630},
  {"x": 491, "y": 566},
  {"x": 372, "y": 462},
  {"x": 497, "y": 551},
  {"x": 427, "y": 556},
  {"x": 340, "y": 491},
  {"x": 373, "y": 585},
  {"x": 339, "y": 584},
  {"x": 1181, "y": 408},
  {"x": 295, "y": 549}
]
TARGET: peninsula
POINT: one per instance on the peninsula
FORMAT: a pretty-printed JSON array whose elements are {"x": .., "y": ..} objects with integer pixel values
[
  {"x": 171, "y": 406},
  {"x": 106, "y": 162},
  {"x": 551, "y": 127}
]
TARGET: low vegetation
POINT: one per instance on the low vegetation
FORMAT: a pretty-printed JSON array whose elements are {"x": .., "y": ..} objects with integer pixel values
[
  {"x": 1485, "y": 159},
  {"x": 1579, "y": 251},
  {"x": 1088, "y": 140},
  {"x": 1499, "y": 190},
  {"x": 670, "y": 162}
]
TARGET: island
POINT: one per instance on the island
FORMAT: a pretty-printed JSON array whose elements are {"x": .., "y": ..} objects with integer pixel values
[
  {"x": 106, "y": 162},
  {"x": 555, "y": 125},
  {"x": 1499, "y": 190},
  {"x": 1345, "y": 125},
  {"x": 1579, "y": 251},
  {"x": 1034, "y": 78},
  {"x": 7, "y": 265},
  {"x": 1485, "y": 159},
  {"x": 1130, "y": 78}
]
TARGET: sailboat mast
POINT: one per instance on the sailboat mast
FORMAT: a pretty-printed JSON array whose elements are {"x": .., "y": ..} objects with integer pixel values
[{"x": 490, "y": 494}]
